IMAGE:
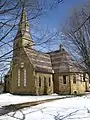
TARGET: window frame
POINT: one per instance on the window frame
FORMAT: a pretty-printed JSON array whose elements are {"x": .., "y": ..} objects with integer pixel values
[
  {"x": 84, "y": 77},
  {"x": 18, "y": 77},
  {"x": 64, "y": 79},
  {"x": 25, "y": 77},
  {"x": 74, "y": 79},
  {"x": 49, "y": 81},
  {"x": 40, "y": 81}
]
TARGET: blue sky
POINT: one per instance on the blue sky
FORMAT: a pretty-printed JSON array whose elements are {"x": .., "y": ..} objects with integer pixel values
[
  {"x": 60, "y": 13},
  {"x": 55, "y": 18}
]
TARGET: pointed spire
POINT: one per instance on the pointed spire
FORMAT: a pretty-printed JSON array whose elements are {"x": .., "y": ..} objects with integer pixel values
[
  {"x": 23, "y": 30},
  {"x": 23, "y": 25}
]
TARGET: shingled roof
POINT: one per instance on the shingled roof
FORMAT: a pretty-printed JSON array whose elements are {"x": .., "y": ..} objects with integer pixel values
[
  {"x": 40, "y": 60},
  {"x": 57, "y": 61},
  {"x": 62, "y": 62},
  {"x": 53, "y": 62}
]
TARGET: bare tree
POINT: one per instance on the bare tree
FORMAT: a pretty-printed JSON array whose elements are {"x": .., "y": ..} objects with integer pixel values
[
  {"x": 10, "y": 14},
  {"x": 76, "y": 35}
]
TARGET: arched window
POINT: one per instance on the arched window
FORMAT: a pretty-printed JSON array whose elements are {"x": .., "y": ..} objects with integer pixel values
[
  {"x": 84, "y": 77},
  {"x": 18, "y": 77},
  {"x": 49, "y": 81},
  {"x": 74, "y": 79},
  {"x": 64, "y": 79},
  {"x": 45, "y": 82},
  {"x": 40, "y": 81},
  {"x": 45, "y": 79},
  {"x": 25, "y": 77}
]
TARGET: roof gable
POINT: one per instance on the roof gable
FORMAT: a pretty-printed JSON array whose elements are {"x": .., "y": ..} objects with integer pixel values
[{"x": 40, "y": 61}]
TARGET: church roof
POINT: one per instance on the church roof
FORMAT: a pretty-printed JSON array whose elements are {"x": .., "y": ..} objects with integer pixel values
[
  {"x": 57, "y": 61},
  {"x": 63, "y": 62},
  {"x": 40, "y": 60}
]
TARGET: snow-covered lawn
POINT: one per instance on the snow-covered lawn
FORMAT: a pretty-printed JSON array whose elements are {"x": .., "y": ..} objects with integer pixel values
[
  {"x": 7, "y": 99},
  {"x": 77, "y": 108}
]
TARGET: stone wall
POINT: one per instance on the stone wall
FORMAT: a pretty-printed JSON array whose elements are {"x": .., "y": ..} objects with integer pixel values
[
  {"x": 32, "y": 78},
  {"x": 61, "y": 88},
  {"x": 80, "y": 86},
  {"x": 56, "y": 83},
  {"x": 45, "y": 87},
  {"x": 29, "y": 88}
]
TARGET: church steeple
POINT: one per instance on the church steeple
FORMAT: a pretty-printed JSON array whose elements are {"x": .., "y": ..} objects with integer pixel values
[
  {"x": 23, "y": 25},
  {"x": 23, "y": 34}
]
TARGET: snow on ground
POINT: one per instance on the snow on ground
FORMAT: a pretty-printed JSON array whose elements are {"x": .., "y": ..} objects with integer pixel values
[
  {"x": 7, "y": 99},
  {"x": 77, "y": 108}
]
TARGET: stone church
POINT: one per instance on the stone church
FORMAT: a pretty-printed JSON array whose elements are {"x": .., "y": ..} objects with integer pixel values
[{"x": 37, "y": 73}]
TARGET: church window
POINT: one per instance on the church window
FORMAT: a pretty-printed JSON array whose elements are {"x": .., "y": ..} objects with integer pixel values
[
  {"x": 24, "y": 77},
  {"x": 45, "y": 79},
  {"x": 64, "y": 79},
  {"x": 40, "y": 81},
  {"x": 81, "y": 78},
  {"x": 74, "y": 79},
  {"x": 22, "y": 65},
  {"x": 18, "y": 77},
  {"x": 49, "y": 81},
  {"x": 84, "y": 77}
]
